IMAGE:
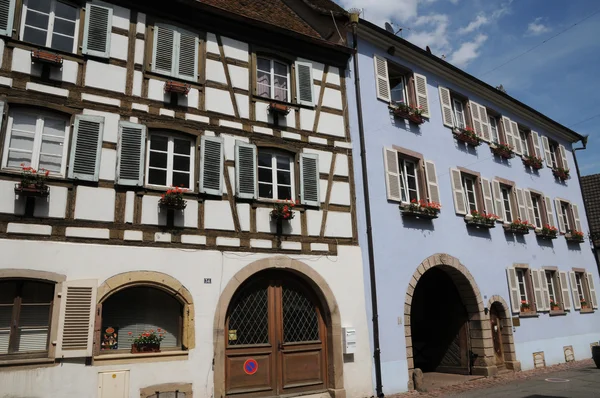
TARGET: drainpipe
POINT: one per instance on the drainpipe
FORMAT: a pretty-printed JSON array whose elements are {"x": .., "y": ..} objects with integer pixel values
[
  {"x": 587, "y": 213},
  {"x": 354, "y": 16}
]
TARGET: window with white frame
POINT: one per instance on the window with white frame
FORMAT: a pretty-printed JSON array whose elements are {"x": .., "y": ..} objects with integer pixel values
[
  {"x": 524, "y": 138},
  {"x": 506, "y": 195},
  {"x": 272, "y": 79},
  {"x": 552, "y": 286},
  {"x": 564, "y": 213},
  {"x": 36, "y": 139},
  {"x": 554, "y": 154},
  {"x": 470, "y": 195},
  {"x": 275, "y": 174},
  {"x": 522, "y": 282},
  {"x": 580, "y": 292},
  {"x": 50, "y": 23},
  {"x": 170, "y": 161},
  {"x": 493, "y": 122},
  {"x": 459, "y": 113},
  {"x": 398, "y": 86},
  {"x": 537, "y": 210},
  {"x": 409, "y": 184}
]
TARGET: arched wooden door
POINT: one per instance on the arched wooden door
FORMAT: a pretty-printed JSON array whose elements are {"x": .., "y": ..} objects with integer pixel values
[
  {"x": 276, "y": 339},
  {"x": 496, "y": 326}
]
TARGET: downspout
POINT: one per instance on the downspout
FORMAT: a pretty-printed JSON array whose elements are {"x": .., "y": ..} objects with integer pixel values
[
  {"x": 354, "y": 15},
  {"x": 587, "y": 214}
]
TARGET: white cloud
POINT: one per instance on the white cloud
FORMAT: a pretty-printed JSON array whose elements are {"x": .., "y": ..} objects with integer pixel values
[
  {"x": 467, "y": 52},
  {"x": 381, "y": 11},
  {"x": 431, "y": 30},
  {"x": 537, "y": 28},
  {"x": 474, "y": 25}
]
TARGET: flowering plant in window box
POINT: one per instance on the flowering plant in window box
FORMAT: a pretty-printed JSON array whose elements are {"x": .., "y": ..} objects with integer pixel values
[
  {"x": 177, "y": 87},
  {"x": 554, "y": 306},
  {"x": 467, "y": 135},
  {"x": 406, "y": 111},
  {"x": 46, "y": 57},
  {"x": 574, "y": 236},
  {"x": 547, "y": 232},
  {"x": 533, "y": 161},
  {"x": 173, "y": 199},
  {"x": 560, "y": 173},
  {"x": 279, "y": 109},
  {"x": 283, "y": 211},
  {"x": 525, "y": 306},
  {"x": 147, "y": 341},
  {"x": 483, "y": 219},
  {"x": 33, "y": 182},
  {"x": 421, "y": 209},
  {"x": 502, "y": 150},
  {"x": 518, "y": 227},
  {"x": 584, "y": 304}
]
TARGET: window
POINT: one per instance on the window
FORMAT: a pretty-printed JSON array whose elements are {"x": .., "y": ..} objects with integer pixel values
[
  {"x": 469, "y": 188},
  {"x": 272, "y": 79},
  {"x": 37, "y": 139},
  {"x": 580, "y": 291},
  {"x": 25, "y": 316},
  {"x": 50, "y": 23},
  {"x": 554, "y": 155},
  {"x": 132, "y": 311},
  {"x": 459, "y": 113},
  {"x": 408, "y": 180},
  {"x": 175, "y": 52},
  {"x": 522, "y": 282},
  {"x": 564, "y": 214},
  {"x": 275, "y": 175},
  {"x": 399, "y": 89},
  {"x": 537, "y": 212},
  {"x": 524, "y": 137},
  {"x": 170, "y": 161},
  {"x": 506, "y": 198},
  {"x": 552, "y": 286},
  {"x": 493, "y": 122}
]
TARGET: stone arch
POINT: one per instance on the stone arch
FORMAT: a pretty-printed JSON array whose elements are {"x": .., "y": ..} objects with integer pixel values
[
  {"x": 157, "y": 280},
  {"x": 479, "y": 325},
  {"x": 508, "y": 342},
  {"x": 327, "y": 300}
]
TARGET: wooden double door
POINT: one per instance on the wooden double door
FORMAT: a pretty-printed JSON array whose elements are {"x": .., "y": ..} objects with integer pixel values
[{"x": 276, "y": 339}]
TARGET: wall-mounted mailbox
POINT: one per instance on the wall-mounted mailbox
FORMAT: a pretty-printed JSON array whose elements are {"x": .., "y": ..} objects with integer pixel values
[{"x": 349, "y": 340}]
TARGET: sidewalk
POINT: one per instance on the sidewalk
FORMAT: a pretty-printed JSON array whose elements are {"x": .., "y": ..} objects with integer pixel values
[{"x": 584, "y": 382}]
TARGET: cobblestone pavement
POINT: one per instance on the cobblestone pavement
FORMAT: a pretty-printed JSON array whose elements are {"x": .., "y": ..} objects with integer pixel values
[{"x": 584, "y": 382}]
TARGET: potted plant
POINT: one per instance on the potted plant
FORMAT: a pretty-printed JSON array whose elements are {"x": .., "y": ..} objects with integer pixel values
[
  {"x": 468, "y": 136},
  {"x": 421, "y": 209},
  {"x": 547, "y": 232},
  {"x": 406, "y": 111},
  {"x": 560, "y": 173},
  {"x": 173, "y": 199},
  {"x": 33, "y": 182},
  {"x": 554, "y": 306},
  {"x": 574, "y": 236},
  {"x": 147, "y": 341},
  {"x": 584, "y": 304},
  {"x": 483, "y": 219},
  {"x": 533, "y": 161},
  {"x": 525, "y": 306},
  {"x": 517, "y": 227},
  {"x": 502, "y": 150}
]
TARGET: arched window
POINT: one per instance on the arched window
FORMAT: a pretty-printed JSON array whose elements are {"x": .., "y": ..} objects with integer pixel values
[{"x": 132, "y": 311}]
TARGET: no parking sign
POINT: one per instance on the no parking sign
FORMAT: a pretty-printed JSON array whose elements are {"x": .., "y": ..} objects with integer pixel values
[{"x": 250, "y": 366}]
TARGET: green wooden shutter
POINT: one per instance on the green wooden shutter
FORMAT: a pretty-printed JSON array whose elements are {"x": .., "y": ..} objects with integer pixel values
[
  {"x": 164, "y": 50},
  {"x": 309, "y": 179},
  {"x": 131, "y": 149},
  {"x": 7, "y": 13},
  {"x": 187, "y": 55},
  {"x": 98, "y": 28},
  {"x": 86, "y": 147},
  {"x": 304, "y": 83},
  {"x": 245, "y": 170},
  {"x": 211, "y": 165}
]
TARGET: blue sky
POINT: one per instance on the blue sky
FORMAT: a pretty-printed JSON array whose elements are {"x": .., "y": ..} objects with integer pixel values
[{"x": 560, "y": 78}]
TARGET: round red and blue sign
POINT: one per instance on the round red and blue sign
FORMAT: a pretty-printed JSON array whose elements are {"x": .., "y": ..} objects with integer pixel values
[{"x": 250, "y": 366}]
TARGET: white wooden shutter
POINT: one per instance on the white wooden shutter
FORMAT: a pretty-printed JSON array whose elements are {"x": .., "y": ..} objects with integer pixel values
[
  {"x": 545, "y": 291},
  {"x": 476, "y": 118},
  {"x": 97, "y": 32},
  {"x": 382, "y": 80},
  {"x": 530, "y": 210},
  {"x": 309, "y": 179},
  {"x": 575, "y": 209},
  {"x": 421, "y": 93},
  {"x": 245, "y": 170},
  {"x": 488, "y": 199},
  {"x": 510, "y": 140},
  {"x": 592, "y": 286},
  {"x": 516, "y": 137},
  {"x": 521, "y": 204},
  {"x": 76, "y": 319},
  {"x": 574, "y": 291},
  {"x": 537, "y": 290},
  {"x": 485, "y": 124},
  {"x": 460, "y": 202},
  {"x": 513, "y": 287},
  {"x": 547, "y": 154},
  {"x": 562, "y": 227},
  {"x": 535, "y": 138},
  {"x": 498, "y": 200},
  {"x": 164, "y": 50},
  {"x": 392, "y": 174},
  {"x": 131, "y": 148},
  {"x": 564, "y": 289},
  {"x": 563, "y": 156},
  {"x": 85, "y": 148},
  {"x": 7, "y": 13},
  {"x": 446, "y": 103},
  {"x": 432, "y": 182},
  {"x": 304, "y": 83},
  {"x": 549, "y": 213},
  {"x": 211, "y": 165},
  {"x": 187, "y": 55}
]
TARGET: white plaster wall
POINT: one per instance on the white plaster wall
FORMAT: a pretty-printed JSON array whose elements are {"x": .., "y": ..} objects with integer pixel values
[
  {"x": 2, "y": 45},
  {"x": 338, "y": 225},
  {"x": 265, "y": 224},
  {"x": 139, "y": 52},
  {"x": 243, "y": 210},
  {"x": 141, "y": 23},
  {"x": 96, "y": 204},
  {"x": 152, "y": 213},
  {"x": 9, "y": 203},
  {"x": 211, "y": 44},
  {"x": 105, "y": 76},
  {"x": 219, "y": 101},
  {"x": 129, "y": 206},
  {"x": 68, "y": 72},
  {"x": 217, "y": 215},
  {"x": 188, "y": 217},
  {"x": 340, "y": 193},
  {"x": 138, "y": 78},
  {"x": 111, "y": 124},
  {"x": 239, "y": 76},
  {"x": 314, "y": 218},
  {"x": 119, "y": 46},
  {"x": 235, "y": 49},
  {"x": 190, "y": 100},
  {"x": 54, "y": 206},
  {"x": 307, "y": 119},
  {"x": 229, "y": 145},
  {"x": 331, "y": 124},
  {"x": 121, "y": 17},
  {"x": 341, "y": 165},
  {"x": 215, "y": 71},
  {"x": 156, "y": 90},
  {"x": 333, "y": 76},
  {"x": 108, "y": 164},
  {"x": 332, "y": 98},
  {"x": 243, "y": 105},
  {"x": 21, "y": 62},
  {"x": 72, "y": 379}
]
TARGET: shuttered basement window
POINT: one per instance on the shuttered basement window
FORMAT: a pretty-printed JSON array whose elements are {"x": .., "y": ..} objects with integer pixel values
[
  {"x": 139, "y": 309},
  {"x": 29, "y": 304}
]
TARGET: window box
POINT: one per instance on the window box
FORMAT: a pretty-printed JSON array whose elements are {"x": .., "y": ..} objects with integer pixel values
[
  {"x": 525, "y": 307},
  {"x": 282, "y": 211},
  {"x": 532, "y": 161},
  {"x": 33, "y": 182},
  {"x": 177, "y": 87},
  {"x": 503, "y": 151},
  {"x": 404, "y": 111},
  {"x": 173, "y": 199},
  {"x": 279, "y": 109},
  {"x": 421, "y": 209},
  {"x": 467, "y": 135},
  {"x": 481, "y": 220},
  {"x": 547, "y": 232},
  {"x": 46, "y": 57},
  {"x": 574, "y": 236},
  {"x": 144, "y": 348},
  {"x": 33, "y": 190},
  {"x": 554, "y": 306},
  {"x": 517, "y": 227},
  {"x": 560, "y": 173}
]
